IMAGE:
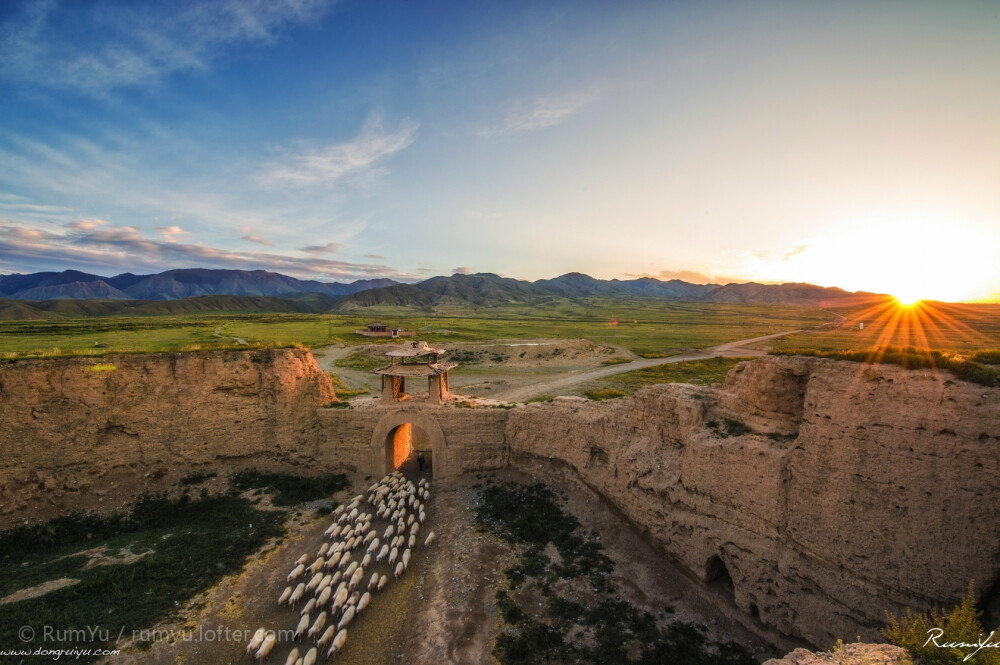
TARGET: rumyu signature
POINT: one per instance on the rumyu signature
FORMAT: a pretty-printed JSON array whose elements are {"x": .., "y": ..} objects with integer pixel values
[{"x": 937, "y": 633}]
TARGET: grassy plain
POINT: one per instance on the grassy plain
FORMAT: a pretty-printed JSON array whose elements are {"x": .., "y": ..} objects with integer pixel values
[{"x": 648, "y": 328}]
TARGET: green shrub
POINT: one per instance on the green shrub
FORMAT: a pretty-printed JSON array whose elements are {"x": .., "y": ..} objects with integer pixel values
[{"x": 912, "y": 632}]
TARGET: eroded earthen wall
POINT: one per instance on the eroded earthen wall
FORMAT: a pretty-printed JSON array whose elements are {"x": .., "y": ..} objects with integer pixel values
[
  {"x": 863, "y": 489},
  {"x": 89, "y": 433},
  {"x": 876, "y": 489}
]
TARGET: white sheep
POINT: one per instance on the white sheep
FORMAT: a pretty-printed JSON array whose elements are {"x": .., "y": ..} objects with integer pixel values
[
  {"x": 399, "y": 570},
  {"x": 346, "y": 619},
  {"x": 302, "y": 559},
  {"x": 415, "y": 528},
  {"x": 366, "y": 561},
  {"x": 363, "y": 603},
  {"x": 373, "y": 582},
  {"x": 344, "y": 560},
  {"x": 314, "y": 582},
  {"x": 382, "y": 552},
  {"x": 301, "y": 628},
  {"x": 430, "y": 538},
  {"x": 311, "y": 657},
  {"x": 293, "y": 656},
  {"x": 410, "y": 520},
  {"x": 422, "y": 517},
  {"x": 351, "y": 568},
  {"x": 339, "y": 598},
  {"x": 327, "y": 634},
  {"x": 324, "y": 582},
  {"x": 333, "y": 560},
  {"x": 405, "y": 558},
  {"x": 317, "y": 564},
  {"x": 370, "y": 536},
  {"x": 338, "y": 643},
  {"x": 256, "y": 640},
  {"x": 309, "y": 606},
  {"x": 338, "y": 510},
  {"x": 393, "y": 555},
  {"x": 266, "y": 646},
  {"x": 318, "y": 625},
  {"x": 411, "y": 542},
  {"x": 284, "y": 596},
  {"x": 296, "y": 573},
  {"x": 297, "y": 594},
  {"x": 336, "y": 578},
  {"x": 356, "y": 578},
  {"x": 324, "y": 596},
  {"x": 389, "y": 530},
  {"x": 374, "y": 544},
  {"x": 381, "y": 582}
]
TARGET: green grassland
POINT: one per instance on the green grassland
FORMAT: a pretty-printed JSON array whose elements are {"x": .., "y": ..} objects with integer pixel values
[{"x": 648, "y": 328}]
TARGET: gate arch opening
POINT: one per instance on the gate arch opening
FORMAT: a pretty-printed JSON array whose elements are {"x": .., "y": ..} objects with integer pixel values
[
  {"x": 399, "y": 436},
  {"x": 403, "y": 445}
]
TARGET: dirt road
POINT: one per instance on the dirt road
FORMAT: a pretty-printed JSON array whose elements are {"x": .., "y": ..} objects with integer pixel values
[{"x": 558, "y": 385}]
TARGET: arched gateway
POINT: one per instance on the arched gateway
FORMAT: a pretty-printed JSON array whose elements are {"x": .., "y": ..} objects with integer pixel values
[{"x": 400, "y": 435}]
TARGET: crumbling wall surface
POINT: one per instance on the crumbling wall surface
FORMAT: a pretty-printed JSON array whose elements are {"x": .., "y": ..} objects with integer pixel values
[
  {"x": 861, "y": 489},
  {"x": 82, "y": 433}
]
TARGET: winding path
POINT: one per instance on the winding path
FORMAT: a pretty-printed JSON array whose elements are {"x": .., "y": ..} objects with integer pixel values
[{"x": 738, "y": 348}]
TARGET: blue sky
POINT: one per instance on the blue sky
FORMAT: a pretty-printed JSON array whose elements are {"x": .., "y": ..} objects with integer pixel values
[{"x": 838, "y": 143}]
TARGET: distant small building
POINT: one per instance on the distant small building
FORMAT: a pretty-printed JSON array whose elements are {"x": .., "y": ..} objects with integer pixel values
[
  {"x": 394, "y": 374},
  {"x": 382, "y": 330},
  {"x": 613, "y": 322}
]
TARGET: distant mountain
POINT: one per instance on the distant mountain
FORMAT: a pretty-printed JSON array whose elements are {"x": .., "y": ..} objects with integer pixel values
[
  {"x": 172, "y": 285},
  {"x": 260, "y": 290},
  {"x": 487, "y": 289},
  {"x": 578, "y": 285},
  {"x": 785, "y": 294}
]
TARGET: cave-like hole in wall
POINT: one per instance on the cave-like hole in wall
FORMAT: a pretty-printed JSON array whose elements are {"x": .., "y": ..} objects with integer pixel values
[{"x": 717, "y": 575}]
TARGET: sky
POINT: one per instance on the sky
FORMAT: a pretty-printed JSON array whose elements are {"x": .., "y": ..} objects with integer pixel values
[{"x": 854, "y": 144}]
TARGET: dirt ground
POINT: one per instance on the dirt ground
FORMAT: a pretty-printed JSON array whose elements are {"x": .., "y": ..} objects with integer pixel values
[{"x": 442, "y": 609}]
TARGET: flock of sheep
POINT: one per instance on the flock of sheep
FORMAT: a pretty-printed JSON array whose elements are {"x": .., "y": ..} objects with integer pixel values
[{"x": 335, "y": 577}]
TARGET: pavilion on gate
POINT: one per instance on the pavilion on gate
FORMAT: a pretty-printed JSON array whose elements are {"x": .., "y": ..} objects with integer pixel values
[{"x": 414, "y": 361}]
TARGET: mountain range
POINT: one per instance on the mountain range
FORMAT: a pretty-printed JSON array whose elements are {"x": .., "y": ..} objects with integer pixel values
[{"x": 74, "y": 293}]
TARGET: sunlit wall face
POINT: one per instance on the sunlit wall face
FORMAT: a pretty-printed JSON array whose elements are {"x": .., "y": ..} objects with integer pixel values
[{"x": 402, "y": 444}]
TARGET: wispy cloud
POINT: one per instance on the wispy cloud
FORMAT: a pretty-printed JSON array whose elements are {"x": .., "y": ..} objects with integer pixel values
[
  {"x": 362, "y": 155},
  {"x": 257, "y": 239},
  {"x": 171, "y": 233},
  {"x": 328, "y": 248},
  {"x": 98, "y": 46},
  {"x": 539, "y": 112},
  {"x": 108, "y": 249},
  {"x": 461, "y": 270},
  {"x": 798, "y": 249}
]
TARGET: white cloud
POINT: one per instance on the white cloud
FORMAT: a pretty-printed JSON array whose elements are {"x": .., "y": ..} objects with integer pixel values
[
  {"x": 539, "y": 112},
  {"x": 333, "y": 163},
  {"x": 328, "y": 248},
  {"x": 108, "y": 249},
  {"x": 257, "y": 239},
  {"x": 99, "y": 46},
  {"x": 171, "y": 233}
]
